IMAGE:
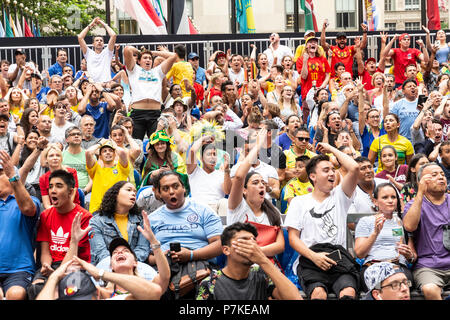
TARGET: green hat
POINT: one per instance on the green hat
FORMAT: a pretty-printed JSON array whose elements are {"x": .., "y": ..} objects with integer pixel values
[{"x": 160, "y": 135}]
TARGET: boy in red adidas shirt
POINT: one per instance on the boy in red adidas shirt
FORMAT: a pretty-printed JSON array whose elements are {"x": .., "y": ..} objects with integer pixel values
[{"x": 54, "y": 232}]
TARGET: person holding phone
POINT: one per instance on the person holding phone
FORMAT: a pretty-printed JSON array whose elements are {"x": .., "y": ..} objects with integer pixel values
[{"x": 381, "y": 237}]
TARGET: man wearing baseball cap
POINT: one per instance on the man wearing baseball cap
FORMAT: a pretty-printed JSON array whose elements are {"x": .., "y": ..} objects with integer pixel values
[
  {"x": 404, "y": 55},
  {"x": 106, "y": 174},
  {"x": 15, "y": 70},
  {"x": 386, "y": 281},
  {"x": 342, "y": 52},
  {"x": 200, "y": 73}
]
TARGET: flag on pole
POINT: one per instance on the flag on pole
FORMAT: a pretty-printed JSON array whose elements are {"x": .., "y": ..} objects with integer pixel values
[
  {"x": 13, "y": 26},
  {"x": 192, "y": 28},
  {"x": 370, "y": 14},
  {"x": 310, "y": 18},
  {"x": 8, "y": 30},
  {"x": 244, "y": 16},
  {"x": 18, "y": 27},
  {"x": 27, "y": 30},
  {"x": 159, "y": 11},
  {"x": 2, "y": 31},
  {"x": 145, "y": 14},
  {"x": 434, "y": 20},
  {"x": 179, "y": 18}
]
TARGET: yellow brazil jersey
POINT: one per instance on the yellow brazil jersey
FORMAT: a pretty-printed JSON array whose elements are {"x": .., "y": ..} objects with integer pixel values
[
  {"x": 103, "y": 179},
  {"x": 402, "y": 145},
  {"x": 291, "y": 156},
  {"x": 295, "y": 187},
  {"x": 181, "y": 70}
]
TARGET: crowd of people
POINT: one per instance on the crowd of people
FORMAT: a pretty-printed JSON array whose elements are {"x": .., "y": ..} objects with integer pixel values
[{"x": 118, "y": 177}]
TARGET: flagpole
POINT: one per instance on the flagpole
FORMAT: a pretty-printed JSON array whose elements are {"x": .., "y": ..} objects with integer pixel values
[
  {"x": 233, "y": 17},
  {"x": 108, "y": 12},
  {"x": 169, "y": 17},
  {"x": 296, "y": 22},
  {"x": 423, "y": 12}
]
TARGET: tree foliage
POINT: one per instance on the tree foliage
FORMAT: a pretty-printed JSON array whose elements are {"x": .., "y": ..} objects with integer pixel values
[{"x": 59, "y": 17}]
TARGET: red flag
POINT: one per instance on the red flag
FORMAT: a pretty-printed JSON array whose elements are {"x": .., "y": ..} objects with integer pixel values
[
  {"x": 434, "y": 20},
  {"x": 192, "y": 29},
  {"x": 27, "y": 32}
]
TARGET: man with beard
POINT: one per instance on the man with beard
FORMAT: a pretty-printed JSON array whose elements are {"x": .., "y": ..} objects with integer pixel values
[
  {"x": 249, "y": 274},
  {"x": 406, "y": 108},
  {"x": 314, "y": 70},
  {"x": 106, "y": 171},
  {"x": 297, "y": 149},
  {"x": 427, "y": 217},
  {"x": 342, "y": 52},
  {"x": 229, "y": 96},
  {"x": 55, "y": 227},
  {"x": 317, "y": 225},
  {"x": 100, "y": 111},
  {"x": 330, "y": 127},
  {"x": 195, "y": 226}
]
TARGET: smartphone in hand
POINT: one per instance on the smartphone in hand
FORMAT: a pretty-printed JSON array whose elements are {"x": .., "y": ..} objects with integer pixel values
[{"x": 335, "y": 255}]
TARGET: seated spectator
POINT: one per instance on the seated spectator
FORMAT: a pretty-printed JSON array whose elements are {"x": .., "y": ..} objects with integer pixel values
[
  {"x": 162, "y": 158},
  {"x": 395, "y": 173},
  {"x": 195, "y": 226},
  {"x": 272, "y": 112},
  {"x": 208, "y": 185},
  {"x": 298, "y": 148},
  {"x": 29, "y": 120},
  {"x": 329, "y": 128},
  {"x": 380, "y": 237},
  {"x": 299, "y": 184},
  {"x": 56, "y": 232},
  {"x": 386, "y": 281},
  {"x": 316, "y": 225},
  {"x": 284, "y": 140},
  {"x": 411, "y": 186},
  {"x": 53, "y": 158},
  {"x": 105, "y": 171},
  {"x": 248, "y": 275},
  {"x": 424, "y": 218},
  {"x": 87, "y": 125},
  {"x": 392, "y": 137},
  {"x": 119, "y": 217},
  {"x": 16, "y": 98},
  {"x": 288, "y": 104},
  {"x": 59, "y": 124},
  {"x": 247, "y": 203},
  {"x": 61, "y": 62},
  {"x": 444, "y": 154},
  {"x": 433, "y": 138},
  {"x": 315, "y": 99},
  {"x": 418, "y": 129},
  {"x": 19, "y": 214}
]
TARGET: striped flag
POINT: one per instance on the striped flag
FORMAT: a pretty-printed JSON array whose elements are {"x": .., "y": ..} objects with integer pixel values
[
  {"x": 2, "y": 31},
  {"x": 145, "y": 14},
  {"x": 179, "y": 18},
  {"x": 13, "y": 26},
  {"x": 310, "y": 18}
]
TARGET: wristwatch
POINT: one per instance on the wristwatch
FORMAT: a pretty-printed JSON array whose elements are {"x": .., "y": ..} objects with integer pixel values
[
  {"x": 101, "y": 272},
  {"x": 14, "y": 179},
  {"x": 155, "y": 246}
]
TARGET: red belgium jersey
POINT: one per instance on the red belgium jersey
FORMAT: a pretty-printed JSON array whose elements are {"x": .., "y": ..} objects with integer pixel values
[
  {"x": 343, "y": 55},
  {"x": 317, "y": 69}
]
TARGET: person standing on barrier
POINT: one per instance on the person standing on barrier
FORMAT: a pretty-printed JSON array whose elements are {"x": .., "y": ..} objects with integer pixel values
[
  {"x": 146, "y": 87},
  {"x": 98, "y": 60}
]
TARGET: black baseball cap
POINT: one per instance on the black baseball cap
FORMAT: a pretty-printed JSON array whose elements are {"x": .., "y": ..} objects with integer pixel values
[
  {"x": 117, "y": 242},
  {"x": 77, "y": 285},
  {"x": 4, "y": 116},
  {"x": 19, "y": 51},
  {"x": 341, "y": 34}
]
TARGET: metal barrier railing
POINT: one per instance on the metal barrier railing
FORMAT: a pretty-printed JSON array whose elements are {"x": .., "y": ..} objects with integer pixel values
[{"x": 44, "y": 56}]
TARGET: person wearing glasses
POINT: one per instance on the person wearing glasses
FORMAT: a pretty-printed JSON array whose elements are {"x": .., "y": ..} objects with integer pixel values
[
  {"x": 386, "y": 281},
  {"x": 298, "y": 148}
]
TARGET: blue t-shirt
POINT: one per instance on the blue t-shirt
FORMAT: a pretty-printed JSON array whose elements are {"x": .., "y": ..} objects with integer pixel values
[
  {"x": 283, "y": 141},
  {"x": 367, "y": 139},
  {"x": 353, "y": 112},
  {"x": 200, "y": 76},
  {"x": 407, "y": 113},
  {"x": 17, "y": 234},
  {"x": 57, "y": 69},
  {"x": 101, "y": 116},
  {"x": 191, "y": 225}
]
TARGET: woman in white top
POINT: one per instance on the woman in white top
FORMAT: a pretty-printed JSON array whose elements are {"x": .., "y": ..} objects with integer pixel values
[
  {"x": 208, "y": 185},
  {"x": 287, "y": 103},
  {"x": 247, "y": 202},
  {"x": 146, "y": 87},
  {"x": 275, "y": 95}
]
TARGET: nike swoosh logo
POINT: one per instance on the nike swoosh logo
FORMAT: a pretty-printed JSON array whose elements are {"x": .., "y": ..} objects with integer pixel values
[{"x": 318, "y": 215}]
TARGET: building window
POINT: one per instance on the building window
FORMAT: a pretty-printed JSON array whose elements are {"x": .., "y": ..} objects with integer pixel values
[
  {"x": 289, "y": 7},
  {"x": 126, "y": 24},
  {"x": 392, "y": 26},
  {"x": 412, "y": 5},
  {"x": 412, "y": 26},
  {"x": 345, "y": 14},
  {"x": 190, "y": 8},
  {"x": 389, "y": 5}
]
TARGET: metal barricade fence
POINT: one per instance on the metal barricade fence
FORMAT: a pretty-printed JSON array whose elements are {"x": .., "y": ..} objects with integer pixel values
[{"x": 45, "y": 56}]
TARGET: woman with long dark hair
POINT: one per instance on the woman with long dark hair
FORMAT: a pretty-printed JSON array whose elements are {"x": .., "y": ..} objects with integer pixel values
[
  {"x": 247, "y": 202},
  {"x": 381, "y": 237},
  {"x": 29, "y": 120},
  {"x": 393, "y": 172},
  {"x": 120, "y": 217},
  {"x": 410, "y": 188}
]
